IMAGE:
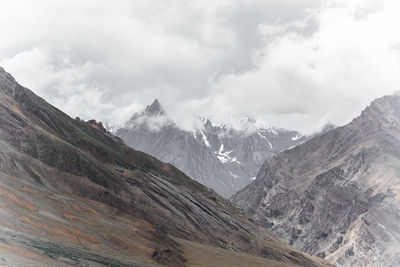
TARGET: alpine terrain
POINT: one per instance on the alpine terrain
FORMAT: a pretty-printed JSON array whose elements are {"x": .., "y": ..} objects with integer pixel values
[
  {"x": 220, "y": 157},
  {"x": 337, "y": 195},
  {"x": 72, "y": 194}
]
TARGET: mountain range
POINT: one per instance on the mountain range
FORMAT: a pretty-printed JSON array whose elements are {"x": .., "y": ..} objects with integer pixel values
[
  {"x": 336, "y": 195},
  {"x": 72, "y": 194},
  {"x": 219, "y": 156}
]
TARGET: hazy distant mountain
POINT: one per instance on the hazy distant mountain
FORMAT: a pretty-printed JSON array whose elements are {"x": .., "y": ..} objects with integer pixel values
[
  {"x": 72, "y": 194},
  {"x": 337, "y": 195},
  {"x": 219, "y": 157}
]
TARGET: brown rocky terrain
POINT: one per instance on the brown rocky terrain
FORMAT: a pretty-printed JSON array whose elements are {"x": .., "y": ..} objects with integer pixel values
[
  {"x": 337, "y": 195},
  {"x": 72, "y": 194}
]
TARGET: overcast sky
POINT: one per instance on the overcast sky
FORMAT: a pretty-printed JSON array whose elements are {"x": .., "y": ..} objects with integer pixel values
[{"x": 296, "y": 64}]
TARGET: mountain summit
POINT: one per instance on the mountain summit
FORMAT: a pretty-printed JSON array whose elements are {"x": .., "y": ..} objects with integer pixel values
[
  {"x": 72, "y": 194},
  {"x": 155, "y": 109},
  {"x": 220, "y": 157},
  {"x": 337, "y": 195}
]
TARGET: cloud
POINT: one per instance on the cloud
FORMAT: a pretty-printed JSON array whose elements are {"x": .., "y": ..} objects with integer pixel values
[
  {"x": 154, "y": 123},
  {"x": 294, "y": 64},
  {"x": 305, "y": 81}
]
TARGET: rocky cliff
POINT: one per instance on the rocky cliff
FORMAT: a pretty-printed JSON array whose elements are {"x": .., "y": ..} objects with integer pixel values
[
  {"x": 72, "y": 194},
  {"x": 337, "y": 195}
]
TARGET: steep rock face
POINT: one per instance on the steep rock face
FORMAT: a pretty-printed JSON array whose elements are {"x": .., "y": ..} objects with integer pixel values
[
  {"x": 72, "y": 194},
  {"x": 7, "y": 83},
  {"x": 337, "y": 195},
  {"x": 219, "y": 157}
]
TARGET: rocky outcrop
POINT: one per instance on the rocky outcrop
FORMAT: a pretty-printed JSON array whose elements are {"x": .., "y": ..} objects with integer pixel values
[
  {"x": 73, "y": 195},
  {"x": 220, "y": 157},
  {"x": 93, "y": 123},
  {"x": 7, "y": 83},
  {"x": 337, "y": 195}
]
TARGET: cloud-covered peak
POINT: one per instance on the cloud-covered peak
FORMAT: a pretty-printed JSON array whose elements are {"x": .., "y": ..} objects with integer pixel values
[
  {"x": 153, "y": 117},
  {"x": 295, "y": 64},
  {"x": 155, "y": 109}
]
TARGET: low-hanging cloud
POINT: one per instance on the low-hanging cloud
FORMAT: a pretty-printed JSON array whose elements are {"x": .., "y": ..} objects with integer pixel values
[{"x": 295, "y": 64}]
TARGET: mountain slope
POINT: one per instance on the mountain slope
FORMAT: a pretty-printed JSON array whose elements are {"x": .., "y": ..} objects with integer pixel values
[
  {"x": 219, "y": 157},
  {"x": 72, "y": 194},
  {"x": 337, "y": 195}
]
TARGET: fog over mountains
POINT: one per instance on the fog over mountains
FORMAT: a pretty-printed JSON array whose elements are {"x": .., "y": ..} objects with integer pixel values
[
  {"x": 72, "y": 194},
  {"x": 218, "y": 156},
  {"x": 206, "y": 133},
  {"x": 333, "y": 194}
]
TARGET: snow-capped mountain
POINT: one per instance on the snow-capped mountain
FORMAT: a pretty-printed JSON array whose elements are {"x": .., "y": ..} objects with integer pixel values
[
  {"x": 72, "y": 194},
  {"x": 218, "y": 156}
]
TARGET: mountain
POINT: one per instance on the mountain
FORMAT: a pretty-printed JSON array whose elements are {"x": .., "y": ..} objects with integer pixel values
[
  {"x": 72, "y": 194},
  {"x": 337, "y": 195},
  {"x": 328, "y": 127},
  {"x": 220, "y": 157}
]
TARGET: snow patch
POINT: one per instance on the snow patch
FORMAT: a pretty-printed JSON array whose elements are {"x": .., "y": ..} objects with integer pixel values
[
  {"x": 297, "y": 137},
  {"x": 224, "y": 156},
  {"x": 262, "y": 136},
  {"x": 205, "y": 139},
  {"x": 234, "y": 175}
]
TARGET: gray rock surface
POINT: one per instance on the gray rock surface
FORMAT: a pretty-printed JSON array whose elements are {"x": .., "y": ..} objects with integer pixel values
[
  {"x": 337, "y": 195},
  {"x": 7, "y": 83},
  {"x": 220, "y": 157},
  {"x": 71, "y": 194}
]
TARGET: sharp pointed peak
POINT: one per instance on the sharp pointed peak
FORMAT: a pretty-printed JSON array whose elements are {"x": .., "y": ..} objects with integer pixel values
[
  {"x": 156, "y": 102},
  {"x": 155, "y": 108},
  {"x": 208, "y": 123}
]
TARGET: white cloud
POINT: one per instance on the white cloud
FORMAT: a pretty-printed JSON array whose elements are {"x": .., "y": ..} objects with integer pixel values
[
  {"x": 294, "y": 64},
  {"x": 305, "y": 81}
]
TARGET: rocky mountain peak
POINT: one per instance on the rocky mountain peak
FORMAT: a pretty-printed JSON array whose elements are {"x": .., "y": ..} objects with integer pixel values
[
  {"x": 7, "y": 83},
  {"x": 153, "y": 117},
  {"x": 217, "y": 155},
  {"x": 93, "y": 123},
  {"x": 208, "y": 124},
  {"x": 335, "y": 196},
  {"x": 382, "y": 113},
  {"x": 329, "y": 126},
  {"x": 155, "y": 108},
  {"x": 71, "y": 194}
]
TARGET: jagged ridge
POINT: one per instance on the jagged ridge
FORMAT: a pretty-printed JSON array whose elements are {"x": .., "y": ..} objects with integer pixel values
[
  {"x": 337, "y": 195},
  {"x": 220, "y": 157},
  {"x": 73, "y": 194}
]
